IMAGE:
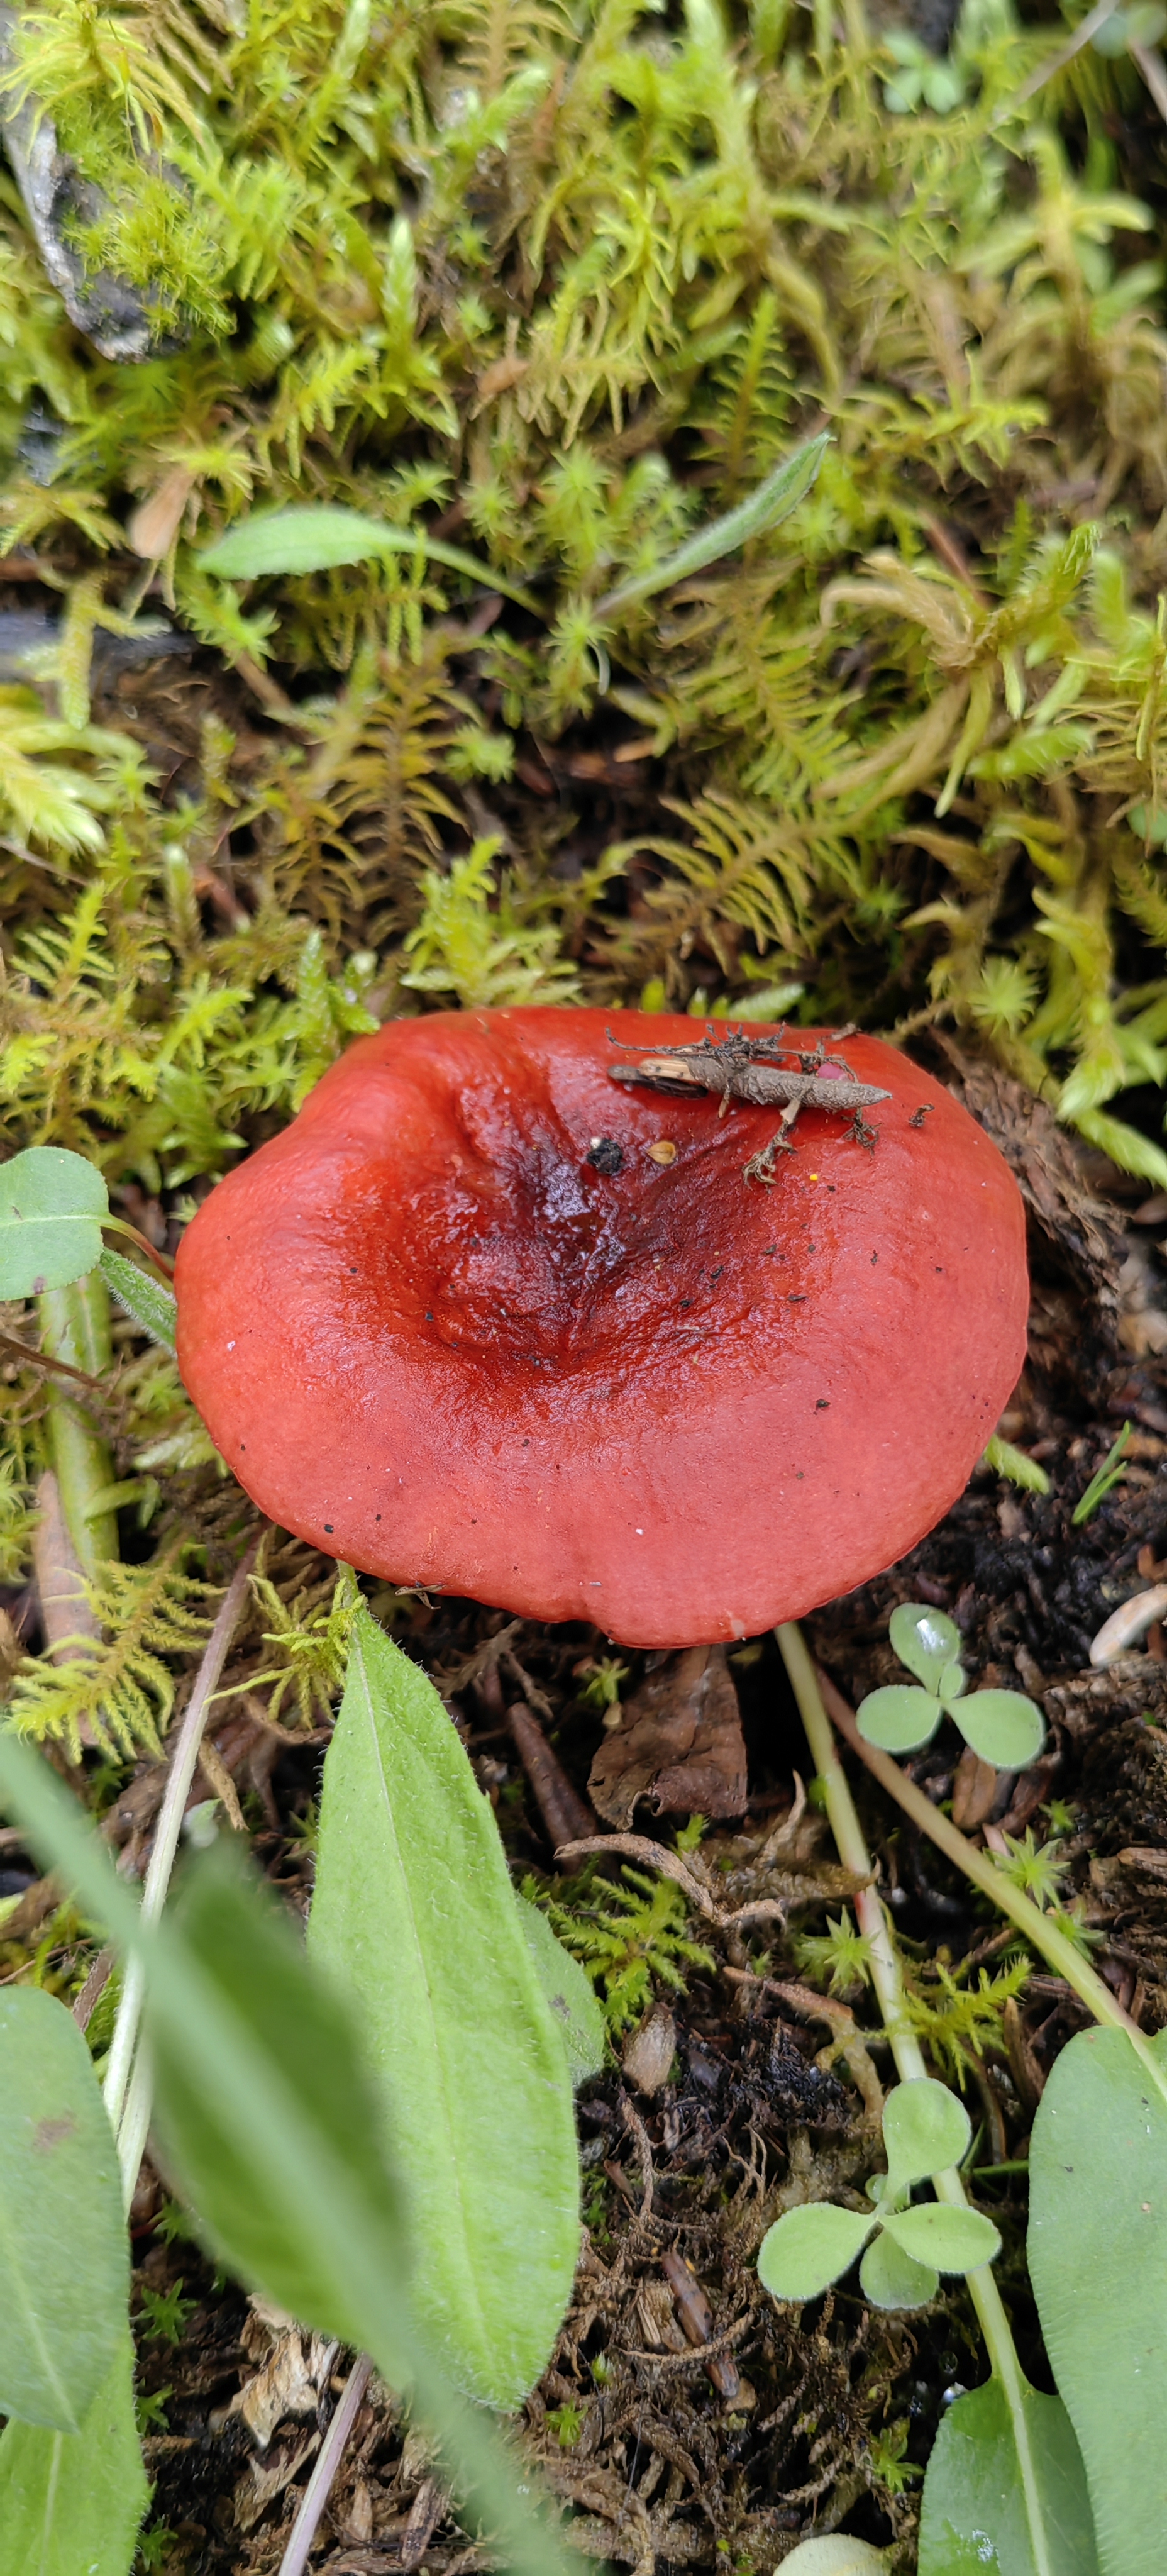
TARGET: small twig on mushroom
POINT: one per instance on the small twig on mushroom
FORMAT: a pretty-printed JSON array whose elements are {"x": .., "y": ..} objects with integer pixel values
[
  {"x": 302, "y": 2537},
  {"x": 746, "y": 1069}
]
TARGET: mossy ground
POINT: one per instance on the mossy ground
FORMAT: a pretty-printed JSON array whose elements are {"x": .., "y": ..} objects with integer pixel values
[{"x": 560, "y": 284}]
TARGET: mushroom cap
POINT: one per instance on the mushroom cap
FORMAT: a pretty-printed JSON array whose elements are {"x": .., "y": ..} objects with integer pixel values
[{"x": 437, "y": 1334}]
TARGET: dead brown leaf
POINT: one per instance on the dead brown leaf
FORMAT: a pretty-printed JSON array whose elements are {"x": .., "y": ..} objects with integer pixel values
[{"x": 679, "y": 1742}]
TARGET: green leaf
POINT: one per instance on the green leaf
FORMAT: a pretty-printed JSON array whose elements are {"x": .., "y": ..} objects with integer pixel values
[
  {"x": 979, "y": 2509},
  {"x": 304, "y": 2173},
  {"x": 415, "y": 1914},
  {"x": 313, "y": 539},
  {"x": 808, "y": 2248},
  {"x": 64, "y": 2254},
  {"x": 1098, "y": 2263},
  {"x": 303, "y": 2037},
  {"x": 953, "y": 2240},
  {"x": 569, "y": 1992},
  {"x": 51, "y": 1208},
  {"x": 764, "y": 508},
  {"x": 832, "y": 2556},
  {"x": 152, "y": 1305},
  {"x": 71, "y": 2504},
  {"x": 925, "y": 2129},
  {"x": 890, "y": 2278},
  {"x": 952, "y": 1683},
  {"x": 925, "y": 1640},
  {"x": 898, "y": 1718},
  {"x": 1002, "y": 1726}
]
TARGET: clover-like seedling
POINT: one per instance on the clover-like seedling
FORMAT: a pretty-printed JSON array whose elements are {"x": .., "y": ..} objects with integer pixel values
[
  {"x": 1002, "y": 1726},
  {"x": 925, "y": 2130}
]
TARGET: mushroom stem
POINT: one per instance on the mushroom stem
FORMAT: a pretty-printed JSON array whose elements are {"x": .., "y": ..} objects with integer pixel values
[{"x": 906, "y": 2050}]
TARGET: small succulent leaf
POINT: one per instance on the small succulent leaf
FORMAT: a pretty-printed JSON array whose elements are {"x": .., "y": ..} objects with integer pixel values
[
  {"x": 71, "y": 2504},
  {"x": 52, "y": 1204},
  {"x": 1097, "y": 2260},
  {"x": 833, "y": 2555},
  {"x": 955, "y": 2240},
  {"x": 152, "y": 1305},
  {"x": 892, "y": 2279},
  {"x": 1003, "y": 1727},
  {"x": 808, "y": 2248},
  {"x": 926, "y": 1640},
  {"x": 898, "y": 1718},
  {"x": 978, "y": 2512},
  {"x": 64, "y": 2252},
  {"x": 925, "y": 2129},
  {"x": 568, "y": 1990},
  {"x": 952, "y": 1684}
]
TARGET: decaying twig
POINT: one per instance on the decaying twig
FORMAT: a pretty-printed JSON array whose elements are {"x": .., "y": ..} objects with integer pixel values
[
  {"x": 765, "y": 1909},
  {"x": 560, "y": 1805},
  {"x": 751, "y": 1070},
  {"x": 328, "y": 2460},
  {"x": 696, "y": 2318}
]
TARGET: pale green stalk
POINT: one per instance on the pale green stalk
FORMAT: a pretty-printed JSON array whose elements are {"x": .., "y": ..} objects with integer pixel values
[
  {"x": 74, "y": 1326},
  {"x": 127, "y": 2097},
  {"x": 908, "y": 2055}
]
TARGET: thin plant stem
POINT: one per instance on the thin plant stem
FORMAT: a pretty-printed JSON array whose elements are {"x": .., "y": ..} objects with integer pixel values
[
  {"x": 909, "y": 2057},
  {"x": 121, "y": 2099},
  {"x": 302, "y": 2536},
  {"x": 1053, "y": 1945},
  {"x": 1084, "y": 33},
  {"x": 75, "y": 1328}
]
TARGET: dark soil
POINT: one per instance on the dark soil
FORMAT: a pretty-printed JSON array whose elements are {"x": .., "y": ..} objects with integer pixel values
[{"x": 720, "y": 2454}]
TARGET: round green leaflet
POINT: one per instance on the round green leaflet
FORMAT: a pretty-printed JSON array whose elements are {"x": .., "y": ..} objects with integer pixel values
[
  {"x": 926, "y": 1640},
  {"x": 925, "y": 2129},
  {"x": 52, "y": 1208},
  {"x": 1002, "y": 1726},
  {"x": 954, "y": 2240},
  {"x": 808, "y": 2248},
  {"x": 891, "y": 2279},
  {"x": 898, "y": 1718}
]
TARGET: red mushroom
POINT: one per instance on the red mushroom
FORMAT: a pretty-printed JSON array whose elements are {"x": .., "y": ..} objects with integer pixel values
[{"x": 469, "y": 1323}]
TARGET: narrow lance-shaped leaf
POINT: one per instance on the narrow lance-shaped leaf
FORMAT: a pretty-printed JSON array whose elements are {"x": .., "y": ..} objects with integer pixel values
[
  {"x": 1098, "y": 2262},
  {"x": 414, "y": 1912},
  {"x": 315, "y": 538},
  {"x": 71, "y": 2504},
  {"x": 765, "y": 508},
  {"x": 64, "y": 2255},
  {"x": 52, "y": 1204},
  {"x": 569, "y": 1992},
  {"x": 152, "y": 1305},
  {"x": 249, "y": 2046}
]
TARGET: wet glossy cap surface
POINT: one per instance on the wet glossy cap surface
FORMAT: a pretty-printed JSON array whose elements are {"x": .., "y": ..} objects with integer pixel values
[{"x": 459, "y": 1326}]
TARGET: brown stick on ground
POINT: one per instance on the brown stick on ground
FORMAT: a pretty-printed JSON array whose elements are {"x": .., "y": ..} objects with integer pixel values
[{"x": 566, "y": 1818}]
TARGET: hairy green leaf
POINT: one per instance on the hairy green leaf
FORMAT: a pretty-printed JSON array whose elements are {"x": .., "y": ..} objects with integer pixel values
[
  {"x": 1002, "y": 1726},
  {"x": 925, "y": 2129},
  {"x": 952, "y": 2240},
  {"x": 71, "y": 2504},
  {"x": 891, "y": 2279},
  {"x": 808, "y": 2248},
  {"x": 64, "y": 2256},
  {"x": 569, "y": 1992},
  {"x": 415, "y": 1914},
  {"x": 152, "y": 1305}
]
